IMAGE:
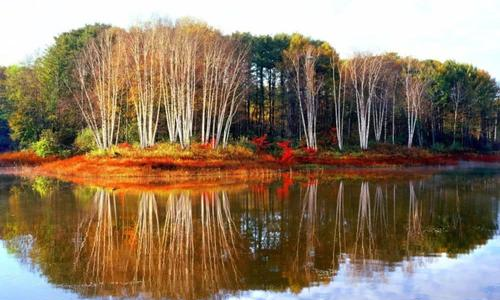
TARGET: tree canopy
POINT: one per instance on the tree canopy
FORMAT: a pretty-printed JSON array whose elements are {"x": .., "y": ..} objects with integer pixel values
[{"x": 288, "y": 86}]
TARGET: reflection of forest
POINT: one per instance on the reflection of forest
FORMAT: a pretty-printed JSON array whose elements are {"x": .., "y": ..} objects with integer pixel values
[{"x": 192, "y": 244}]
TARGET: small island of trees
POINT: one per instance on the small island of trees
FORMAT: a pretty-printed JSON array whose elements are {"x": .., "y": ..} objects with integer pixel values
[{"x": 100, "y": 88}]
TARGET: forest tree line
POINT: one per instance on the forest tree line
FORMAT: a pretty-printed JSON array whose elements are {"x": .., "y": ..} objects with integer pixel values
[{"x": 186, "y": 82}]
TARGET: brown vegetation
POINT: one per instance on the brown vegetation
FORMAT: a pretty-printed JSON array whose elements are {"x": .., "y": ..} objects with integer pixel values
[
  {"x": 170, "y": 166},
  {"x": 23, "y": 158}
]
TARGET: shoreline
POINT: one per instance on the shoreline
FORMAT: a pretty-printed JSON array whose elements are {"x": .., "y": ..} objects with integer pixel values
[{"x": 165, "y": 173}]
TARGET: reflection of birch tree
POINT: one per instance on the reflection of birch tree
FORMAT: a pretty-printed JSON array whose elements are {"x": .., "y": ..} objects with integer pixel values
[
  {"x": 380, "y": 209},
  {"x": 170, "y": 261},
  {"x": 414, "y": 217},
  {"x": 339, "y": 230},
  {"x": 308, "y": 221},
  {"x": 95, "y": 234},
  {"x": 218, "y": 248},
  {"x": 177, "y": 249},
  {"x": 147, "y": 237},
  {"x": 364, "y": 223},
  {"x": 457, "y": 220}
]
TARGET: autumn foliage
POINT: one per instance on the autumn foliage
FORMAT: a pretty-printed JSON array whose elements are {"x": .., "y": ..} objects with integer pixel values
[
  {"x": 287, "y": 157},
  {"x": 23, "y": 158},
  {"x": 261, "y": 143},
  {"x": 286, "y": 182}
]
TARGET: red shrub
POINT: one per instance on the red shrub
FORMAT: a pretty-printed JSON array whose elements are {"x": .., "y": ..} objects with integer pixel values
[
  {"x": 287, "y": 154},
  {"x": 333, "y": 136},
  {"x": 310, "y": 151},
  {"x": 124, "y": 146},
  {"x": 260, "y": 142}
]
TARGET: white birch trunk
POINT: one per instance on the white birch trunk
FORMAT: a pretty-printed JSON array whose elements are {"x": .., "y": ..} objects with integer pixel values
[{"x": 99, "y": 71}]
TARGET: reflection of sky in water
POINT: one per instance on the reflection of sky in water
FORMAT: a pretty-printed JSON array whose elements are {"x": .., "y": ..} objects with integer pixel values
[
  {"x": 268, "y": 232},
  {"x": 471, "y": 276},
  {"x": 19, "y": 282}
]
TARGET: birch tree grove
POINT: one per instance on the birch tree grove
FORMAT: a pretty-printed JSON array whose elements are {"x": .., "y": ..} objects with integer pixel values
[
  {"x": 181, "y": 57},
  {"x": 414, "y": 94},
  {"x": 144, "y": 89},
  {"x": 379, "y": 109},
  {"x": 339, "y": 92},
  {"x": 187, "y": 83},
  {"x": 457, "y": 96},
  {"x": 99, "y": 70},
  {"x": 307, "y": 84},
  {"x": 365, "y": 71},
  {"x": 223, "y": 81},
  {"x": 166, "y": 97}
]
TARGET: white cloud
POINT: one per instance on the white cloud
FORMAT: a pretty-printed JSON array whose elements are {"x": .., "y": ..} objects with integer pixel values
[{"x": 470, "y": 276}]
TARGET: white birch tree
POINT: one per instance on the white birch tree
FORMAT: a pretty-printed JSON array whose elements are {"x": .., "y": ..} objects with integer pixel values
[
  {"x": 223, "y": 87},
  {"x": 144, "y": 64},
  {"x": 307, "y": 85},
  {"x": 414, "y": 94},
  {"x": 457, "y": 96},
  {"x": 182, "y": 51},
  {"x": 365, "y": 71},
  {"x": 379, "y": 113},
  {"x": 99, "y": 72},
  {"x": 339, "y": 93}
]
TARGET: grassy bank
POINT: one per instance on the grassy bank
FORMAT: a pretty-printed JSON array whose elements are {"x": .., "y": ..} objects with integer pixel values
[{"x": 127, "y": 165}]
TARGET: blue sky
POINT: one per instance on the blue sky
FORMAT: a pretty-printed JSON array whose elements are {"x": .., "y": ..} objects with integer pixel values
[{"x": 467, "y": 31}]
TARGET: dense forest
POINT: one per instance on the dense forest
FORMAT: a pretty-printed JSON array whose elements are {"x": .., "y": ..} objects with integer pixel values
[{"x": 185, "y": 82}]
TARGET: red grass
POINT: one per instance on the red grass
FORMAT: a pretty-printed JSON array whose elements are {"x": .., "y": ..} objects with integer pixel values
[
  {"x": 148, "y": 172},
  {"x": 310, "y": 151},
  {"x": 23, "y": 158}
]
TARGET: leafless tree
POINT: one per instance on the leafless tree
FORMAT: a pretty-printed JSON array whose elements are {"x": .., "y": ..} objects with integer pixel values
[
  {"x": 144, "y": 67},
  {"x": 339, "y": 93},
  {"x": 223, "y": 87},
  {"x": 307, "y": 85},
  {"x": 178, "y": 50},
  {"x": 169, "y": 103},
  {"x": 379, "y": 111},
  {"x": 457, "y": 96},
  {"x": 414, "y": 93},
  {"x": 365, "y": 72},
  {"x": 99, "y": 71}
]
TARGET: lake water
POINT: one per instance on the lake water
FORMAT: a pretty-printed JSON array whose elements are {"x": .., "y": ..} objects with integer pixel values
[{"x": 430, "y": 235}]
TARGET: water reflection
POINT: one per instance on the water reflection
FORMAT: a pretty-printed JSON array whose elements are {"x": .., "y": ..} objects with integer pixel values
[
  {"x": 303, "y": 268},
  {"x": 95, "y": 240},
  {"x": 189, "y": 244}
]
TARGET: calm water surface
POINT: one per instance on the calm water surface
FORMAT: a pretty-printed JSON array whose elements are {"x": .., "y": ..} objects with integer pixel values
[{"x": 428, "y": 237}]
